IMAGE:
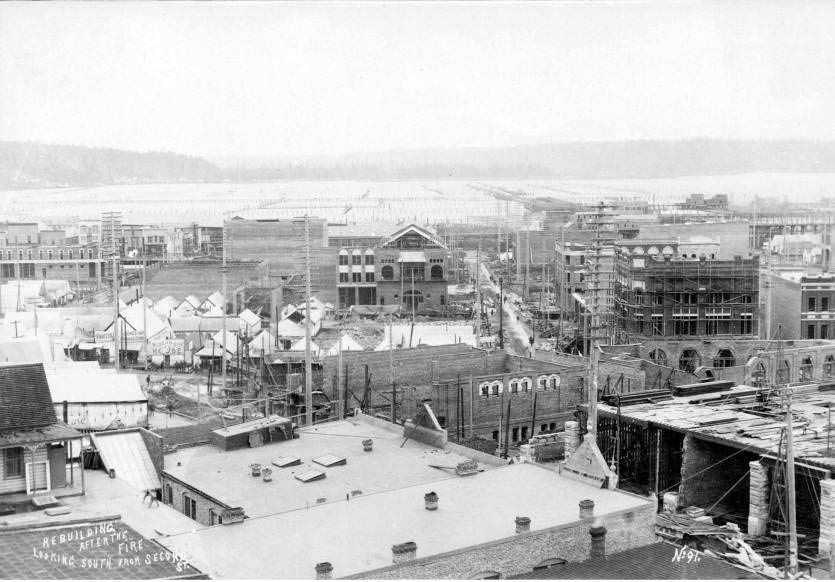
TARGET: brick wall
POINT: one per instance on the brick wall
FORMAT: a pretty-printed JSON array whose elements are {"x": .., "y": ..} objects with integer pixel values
[
  {"x": 554, "y": 406},
  {"x": 709, "y": 471},
  {"x": 519, "y": 554},
  {"x": 412, "y": 367},
  {"x": 205, "y": 504}
]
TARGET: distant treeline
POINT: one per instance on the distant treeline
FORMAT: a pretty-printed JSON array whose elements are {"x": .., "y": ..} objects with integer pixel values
[{"x": 34, "y": 165}]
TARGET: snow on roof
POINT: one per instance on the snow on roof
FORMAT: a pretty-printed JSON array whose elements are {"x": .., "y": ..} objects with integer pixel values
[
  {"x": 348, "y": 344},
  {"x": 428, "y": 335},
  {"x": 85, "y": 384},
  {"x": 249, "y": 318},
  {"x": 299, "y": 346}
]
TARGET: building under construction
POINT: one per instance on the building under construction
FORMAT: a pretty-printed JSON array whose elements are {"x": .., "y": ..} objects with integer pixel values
[{"x": 664, "y": 302}]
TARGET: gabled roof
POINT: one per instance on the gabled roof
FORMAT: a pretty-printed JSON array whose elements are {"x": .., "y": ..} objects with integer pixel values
[
  {"x": 249, "y": 318},
  {"x": 25, "y": 399},
  {"x": 413, "y": 228}
]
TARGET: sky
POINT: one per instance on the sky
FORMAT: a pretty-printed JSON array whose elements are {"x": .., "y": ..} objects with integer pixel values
[{"x": 238, "y": 80}]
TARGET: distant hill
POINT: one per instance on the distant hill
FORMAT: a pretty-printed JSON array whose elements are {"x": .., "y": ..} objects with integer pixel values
[
  {"x": 31, "y": 165},
  {"x": 582, "y": 160},
  {"x": 25, "y": 165}
]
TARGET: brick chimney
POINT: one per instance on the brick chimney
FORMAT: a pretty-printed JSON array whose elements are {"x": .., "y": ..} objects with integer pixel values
[
  {"x": 598, "y": 542},
  {"x": 324, "y": 571},
  {"x": 523, "y": 524},
  {"x": 586, "y": 509},
  {"x": 401, "y": 553},
  {"x": 431, "y": 500}
]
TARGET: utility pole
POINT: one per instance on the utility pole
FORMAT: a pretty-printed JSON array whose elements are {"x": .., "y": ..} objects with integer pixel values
[
  {"x": 501, "y": 313},
  {"x": 116, "y": 310},
  {"x": 791, "y": 569},
  {"x": 594, "y": 324},
  {"x": 144, "y": 314},
  {"x": 391, "y": 372},
  {"x": 340, "y": 405},
  {"x": 308, "y": 367},
  {"x": 223, "y": 309}
]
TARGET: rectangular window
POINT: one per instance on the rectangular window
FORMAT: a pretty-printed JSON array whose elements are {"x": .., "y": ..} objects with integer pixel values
[
  {"x": 189, "y": 506},
  {"x": 369, "y": 259},
  {"x": 7, "y": 271},
  {"x": 824, "y": 331},
  {"x": 747, "y": 324},
  {"x": 343, "y": 277},
  {"x": 810, "y": 332},
  {"x": 13, "y": 462},
  {"x": 357, "y": 277},
  {"x": 811, "y": 304},
  {"x": 356, "y": 259},
  {"x": 515, "y": 434},
  {"x": 369, "y": 277},
  {"x": 824, "y": 303},
  {"x": 343, "y": 259},
  {"x": 567, "y": 259}
]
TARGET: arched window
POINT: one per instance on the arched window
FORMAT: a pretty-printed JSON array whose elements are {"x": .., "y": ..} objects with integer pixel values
[
  {"x": 724, "y": 359},
  {"x": 436, "y": 273},
  {"x": 484, "y": 389},
  {"x": 356, "y": 258},
  {"x": 387, "y": 273},
  {"x": 343, "y": 257},
  {"x": 783, "y": 372},
  {"x": 638, "y": 251},
  {"x": 49, "y": 254},
  {"x": 40, "y": 255},
  {"x": 411, "y": 298},
  {"x": 554, "y": 381},
  {"x": 667, "y": 251},
  {"x": 542, "y": 382},
  {"x": 70, "y": 254},
  {"x": 29, "y": 254},
  {"x": 806, "y": 369},
  {"x": 514, "y": 386},
  {"x": 169, "y": 494},
  {"x": 526, "y": 384},
  {"x": 652, "y": 251},
  {"x": 369, "y": 257},
  {"x": 658, "y": 356},
  {"x": 759, "y": 377},
  {"x": 19, "y": 255},
  {"x": 689, "y": 360}
]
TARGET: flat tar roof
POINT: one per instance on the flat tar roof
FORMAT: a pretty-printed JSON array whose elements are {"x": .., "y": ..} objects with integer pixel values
[
  {"x": 226, "y": 475},
  {"x": 356, "y": 536}
]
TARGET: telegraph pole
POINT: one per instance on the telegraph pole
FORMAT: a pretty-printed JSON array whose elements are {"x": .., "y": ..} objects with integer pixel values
[
  {"x": 501, "y": 313},
  {"x": 308, "y": 368},
  {"x": 223, "y": 309}
]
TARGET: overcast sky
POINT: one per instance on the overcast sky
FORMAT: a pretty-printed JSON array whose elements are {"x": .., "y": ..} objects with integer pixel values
[{"x": 261, "y": 79}]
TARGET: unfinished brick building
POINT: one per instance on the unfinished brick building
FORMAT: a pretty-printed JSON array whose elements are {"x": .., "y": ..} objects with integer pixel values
[
  {"x": 469, "y": 388},
  {"x": 666, "y": 304}
]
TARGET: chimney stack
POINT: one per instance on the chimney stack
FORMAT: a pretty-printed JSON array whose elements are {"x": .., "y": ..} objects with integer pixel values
[
  {"x": 598, "y": 542},
  {"x": 324, "y": 571},
  {"x": 523, "y": 525},
  {"x": 403, "y": 552},
  {"x": 368, "y": 445},
  {"x": 431, "y": 500},
  {"x": 586, "y": 509}
]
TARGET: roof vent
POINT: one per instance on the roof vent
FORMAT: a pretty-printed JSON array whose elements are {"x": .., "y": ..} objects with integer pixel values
[{"x": 431, "y": 500}]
